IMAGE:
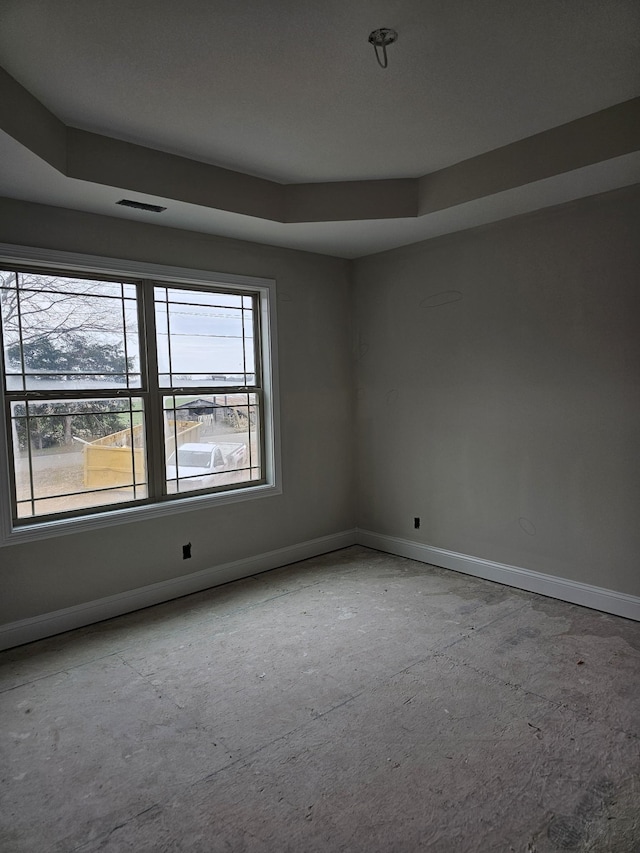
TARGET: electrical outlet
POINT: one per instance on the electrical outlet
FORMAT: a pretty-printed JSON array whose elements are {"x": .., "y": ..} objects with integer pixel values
[
  {"x": 416, "y": 522},
  {"x": 186, "y": 551}
]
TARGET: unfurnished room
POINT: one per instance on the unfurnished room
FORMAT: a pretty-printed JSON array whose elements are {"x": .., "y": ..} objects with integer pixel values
[{"x": 319, "y": 471}]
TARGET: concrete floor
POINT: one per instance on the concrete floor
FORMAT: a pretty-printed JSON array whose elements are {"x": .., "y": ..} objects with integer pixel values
[{"x": 353, "y": 702}]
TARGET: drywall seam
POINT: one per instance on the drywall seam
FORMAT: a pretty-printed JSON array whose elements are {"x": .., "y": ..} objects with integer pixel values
[
  {"x": 575, "y": 592},
  {"x": 79, "y": 615}
]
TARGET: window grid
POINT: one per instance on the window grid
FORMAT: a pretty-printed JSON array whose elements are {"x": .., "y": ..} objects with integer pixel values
[
  {"x": 150, "y": 398},
  {"x": 30, "y": 425}
]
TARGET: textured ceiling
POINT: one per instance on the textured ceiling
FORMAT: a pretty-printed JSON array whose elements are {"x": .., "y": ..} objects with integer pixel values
[{"x": 290, "y": 90}]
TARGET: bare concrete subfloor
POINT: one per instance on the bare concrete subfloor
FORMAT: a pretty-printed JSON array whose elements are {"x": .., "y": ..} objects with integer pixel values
[{"x": 353, "y": 702}]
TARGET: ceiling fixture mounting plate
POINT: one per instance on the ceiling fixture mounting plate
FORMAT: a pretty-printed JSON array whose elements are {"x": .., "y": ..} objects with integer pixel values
[{"x": 382, "y": 38}]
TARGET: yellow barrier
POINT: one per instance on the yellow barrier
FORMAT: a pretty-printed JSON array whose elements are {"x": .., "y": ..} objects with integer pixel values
[
  {"x": 111, "y": 461},
  {"x": 186, "y": 431}
]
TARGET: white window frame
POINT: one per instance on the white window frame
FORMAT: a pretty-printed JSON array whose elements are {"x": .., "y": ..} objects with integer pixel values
[{"x": 91, "y": 264}]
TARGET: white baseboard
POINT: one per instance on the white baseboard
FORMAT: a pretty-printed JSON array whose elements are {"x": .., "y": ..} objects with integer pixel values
[
  {"x": 598, "y": 598},
  {"x": 58, "y": 621}
]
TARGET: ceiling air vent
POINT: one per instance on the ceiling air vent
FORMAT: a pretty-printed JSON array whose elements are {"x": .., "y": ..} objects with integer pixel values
[{"x": 141, "y": 205}]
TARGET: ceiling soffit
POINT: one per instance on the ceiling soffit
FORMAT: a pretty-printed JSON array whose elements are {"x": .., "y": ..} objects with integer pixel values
[{"x": 99, "y": 159}]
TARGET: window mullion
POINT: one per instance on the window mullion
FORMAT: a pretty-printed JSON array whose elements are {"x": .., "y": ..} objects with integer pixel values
[{"x": 154, "y": 427}]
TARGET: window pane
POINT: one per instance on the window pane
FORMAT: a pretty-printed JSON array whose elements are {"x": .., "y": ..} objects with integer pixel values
[
  {"x": 131, "y": 340},
  {"x": 217, "y": 440},
  {"x": 201, "y": 337},
  {"x": 189, "y": 296},
  {"x": 14, "y": 378},
  {"x": 77, "y": 381},
  {"x": 88, "y": 500},
  {"x": 184, "y": 380},
  {"x": 57, "y": 284},
  {"x": 12, "y": 354},
  {"x": 74, "y": 334},
  {"x": 162, "y": 337},
  {"x": 205, "y": 339},
  {"x": 77, "y": 454}
]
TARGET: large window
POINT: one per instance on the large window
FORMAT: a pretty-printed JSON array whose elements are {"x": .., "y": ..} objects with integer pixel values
[{"x": 122, "y": 391}]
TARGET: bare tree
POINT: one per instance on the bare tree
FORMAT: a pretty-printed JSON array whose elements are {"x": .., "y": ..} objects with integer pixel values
[
  {"x": 62, "y": 327},
  {"x": 44, "y": 306}
]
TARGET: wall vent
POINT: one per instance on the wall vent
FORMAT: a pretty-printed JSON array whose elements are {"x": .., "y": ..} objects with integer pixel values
[{"x": 141, "y": 205}]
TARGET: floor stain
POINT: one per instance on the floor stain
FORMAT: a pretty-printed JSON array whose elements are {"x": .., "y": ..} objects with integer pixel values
[
  {"x": 571, "y": 832},
  {"x": 583, "y": 622},
  {"x": 602, "y": 626},
  {"x": 515, "y": 639}
]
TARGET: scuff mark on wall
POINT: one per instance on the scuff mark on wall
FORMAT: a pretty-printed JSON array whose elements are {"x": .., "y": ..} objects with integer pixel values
[{"x": 445, "y": 297}]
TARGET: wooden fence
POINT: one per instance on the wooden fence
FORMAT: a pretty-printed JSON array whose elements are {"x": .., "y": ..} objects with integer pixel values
[{"x": 111, "y": 461}]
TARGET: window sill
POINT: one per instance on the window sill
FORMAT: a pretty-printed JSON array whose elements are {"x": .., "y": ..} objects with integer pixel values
[{"x": 114, "y": 517}]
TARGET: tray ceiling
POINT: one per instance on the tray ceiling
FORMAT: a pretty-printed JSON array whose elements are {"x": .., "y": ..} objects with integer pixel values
[{"x": 290, "y": 92}]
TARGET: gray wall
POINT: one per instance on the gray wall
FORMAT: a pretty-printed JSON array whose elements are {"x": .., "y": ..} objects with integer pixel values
[
  {"x": 316, "y": 422},
  {"x": 497, "y": 394},
  {"x": 498, "y": 377}
]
